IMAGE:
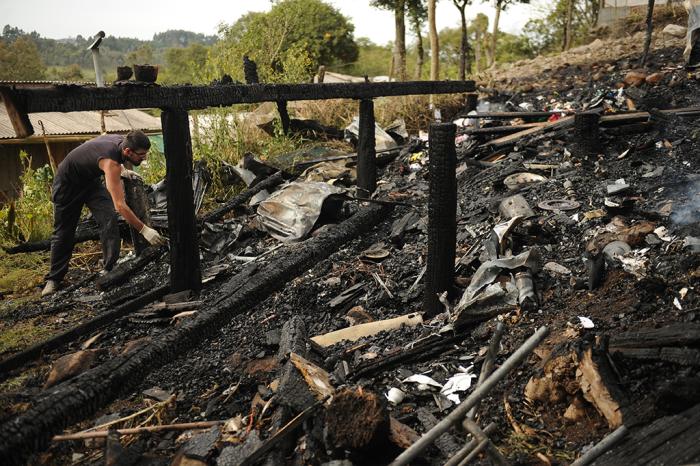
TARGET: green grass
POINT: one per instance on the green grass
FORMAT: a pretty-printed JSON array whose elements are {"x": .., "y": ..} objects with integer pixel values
[
  {"x": 20, "y": 273},
  {"x": 21, "y": 335}
]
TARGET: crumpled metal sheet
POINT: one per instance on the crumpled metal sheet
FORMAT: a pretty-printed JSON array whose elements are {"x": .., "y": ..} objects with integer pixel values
[
  {"x": 290, "y": 213},
  {"x": 490, "y": 270},
  {"x": 330, "y": 171}
]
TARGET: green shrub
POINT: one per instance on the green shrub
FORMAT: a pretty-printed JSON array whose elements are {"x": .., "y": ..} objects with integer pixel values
[{"x": 32, "y": 216}]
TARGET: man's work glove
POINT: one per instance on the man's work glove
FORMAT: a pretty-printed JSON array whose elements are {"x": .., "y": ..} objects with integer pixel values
[
  {"x": 129, "y": 174},
  {"x": 152, "y": 236}
]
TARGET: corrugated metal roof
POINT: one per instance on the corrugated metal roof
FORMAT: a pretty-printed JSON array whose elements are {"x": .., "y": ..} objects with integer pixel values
[
  {"x": 56, "y": 123},
  {"x": 41, "y": 83}
]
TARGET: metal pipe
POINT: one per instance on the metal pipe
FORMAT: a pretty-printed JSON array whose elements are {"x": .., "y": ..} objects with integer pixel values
[
  {"x": 458, "y": 413},
  {"x": 602, "y": 446},
  {"x": 464, "y": 451},
  {"x": 489, "y": 361}
]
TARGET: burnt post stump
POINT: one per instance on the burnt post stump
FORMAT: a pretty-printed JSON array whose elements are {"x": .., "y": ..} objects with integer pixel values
[
  {"x": 366, "y": 153},
  {"x": 185, "y": 269},
  {"x": 586, "y": 135},
  {"x": 358, "y": 421},
  {"x": 471, "y": 102},
  {"x": 137, "y": 200},
  {"x": 442, "y": 212}
]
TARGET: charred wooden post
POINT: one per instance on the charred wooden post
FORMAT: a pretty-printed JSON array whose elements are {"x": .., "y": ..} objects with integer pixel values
[
  {"x": 471, "y": 102},
  {"x": 586, "y": 134},
  {"x": 185, "y": 270},
  {"x": 366, "y": 154},
  {"x": 250, "y": 71},
  {"x": 137, "y": 200},
  {"x": 442, "y": 212},
  {"x": 284, "y": 115}
]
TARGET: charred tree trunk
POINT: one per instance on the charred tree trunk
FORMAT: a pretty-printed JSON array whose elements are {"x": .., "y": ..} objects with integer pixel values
[
  {"x": 442, "y": 212},
  {"x": 185, "y": 270},
  {"x": 650, "y": 30}
]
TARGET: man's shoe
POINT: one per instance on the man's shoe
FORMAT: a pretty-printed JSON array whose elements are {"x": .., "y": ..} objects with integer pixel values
[{"x": 50, "y": 288}]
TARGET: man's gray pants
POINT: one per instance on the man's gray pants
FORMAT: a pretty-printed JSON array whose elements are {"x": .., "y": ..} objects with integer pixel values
[{"x": 68, "y": 204}]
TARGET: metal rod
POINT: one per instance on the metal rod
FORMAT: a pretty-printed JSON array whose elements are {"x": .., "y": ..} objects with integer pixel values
[
  {"x": 458, "y": 413},
  {"x": 491, "y": 450},
  {"x": 602, "y": 446},
  {"x": 464, "y": 451},
  {"x": 489, "y": 362},
  {"x": 479, "y": 448}
]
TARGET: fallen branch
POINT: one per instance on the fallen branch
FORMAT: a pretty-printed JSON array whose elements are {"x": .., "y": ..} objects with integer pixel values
[
  {"x": 137, "y": 430},
  {"x": 458, "y": 413}
]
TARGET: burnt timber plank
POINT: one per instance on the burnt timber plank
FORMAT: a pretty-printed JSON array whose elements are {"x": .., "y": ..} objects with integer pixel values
[
  {"x": 17, "y": 113},
  {"x": 680, "y": 334},
  {"x": 70, "y": 99},
  {"x": 185, "y": 269},
  {"x": 669, "y": 440},
  {"x": 684, "y": 356}
]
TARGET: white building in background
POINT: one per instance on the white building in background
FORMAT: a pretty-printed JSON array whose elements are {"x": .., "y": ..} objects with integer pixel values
[{"x": 612, "y": 10}]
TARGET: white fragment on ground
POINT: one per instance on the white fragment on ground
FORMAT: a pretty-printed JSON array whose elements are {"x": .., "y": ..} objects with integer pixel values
[{"x": 586, "y": 322}]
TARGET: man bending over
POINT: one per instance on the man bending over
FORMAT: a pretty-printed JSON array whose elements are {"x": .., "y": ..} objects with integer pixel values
[{"x": 77, "y": 183}]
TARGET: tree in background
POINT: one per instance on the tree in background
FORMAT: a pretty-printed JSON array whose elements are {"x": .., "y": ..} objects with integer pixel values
[
  {"x": 562, "y": 25},
  {"x": 293, "y": 38},
  {"x": 480, "y": 27},
  {"x": 434, "y": 42},
  {"x": 500, "y": 6},
  {"x": 464, "y": 42},
  {"x": 141, "y": 56},
  {"x": 186, "y": 65},
  {"x": 398, "y": 60},
  {"x": 20, "y": 60},
  {"x": 418, "y": 14}
]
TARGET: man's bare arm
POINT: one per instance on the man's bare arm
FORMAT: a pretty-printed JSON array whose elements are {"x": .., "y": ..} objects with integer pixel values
[{"x": 112, "y": 171}]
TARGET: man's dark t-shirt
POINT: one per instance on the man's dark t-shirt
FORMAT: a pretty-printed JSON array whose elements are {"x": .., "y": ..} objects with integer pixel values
[{"x": 80, "y": 168}]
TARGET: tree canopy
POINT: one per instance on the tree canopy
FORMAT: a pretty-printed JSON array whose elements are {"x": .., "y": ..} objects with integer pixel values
[{"x": 288, "y": 42}]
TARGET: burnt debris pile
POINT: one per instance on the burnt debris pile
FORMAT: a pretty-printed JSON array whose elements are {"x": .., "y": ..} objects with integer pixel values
[{"x": 517, "y": 285}]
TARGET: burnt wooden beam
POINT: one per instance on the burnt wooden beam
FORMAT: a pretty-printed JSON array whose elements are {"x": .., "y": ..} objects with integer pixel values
[
  {"x": 366, "y": 153},
  {"x": 17, "y": 112},
  {"x": 70, "y": 99},
  {"x": 185, "y": 269}
]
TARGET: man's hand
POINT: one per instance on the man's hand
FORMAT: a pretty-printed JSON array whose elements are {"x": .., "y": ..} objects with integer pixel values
[
  {"x": 129, "y": 174},
  {"x": 152, "y": 236}
]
